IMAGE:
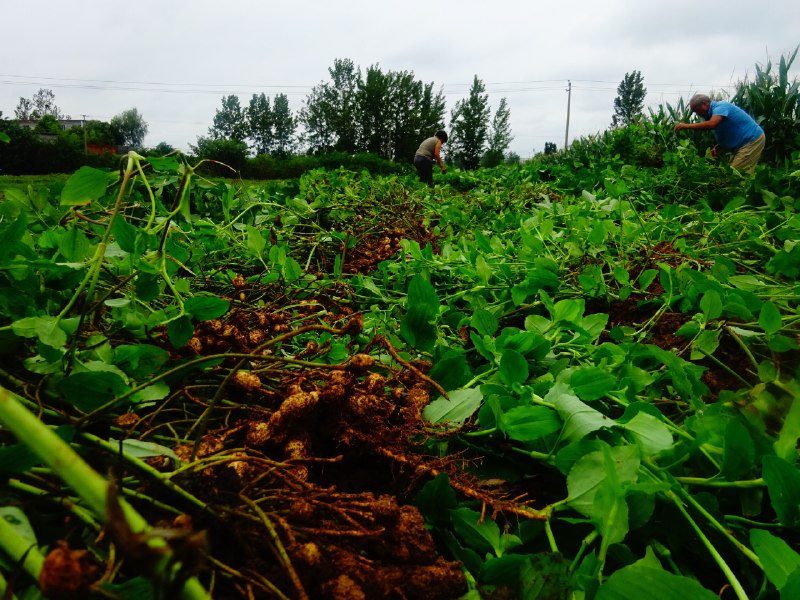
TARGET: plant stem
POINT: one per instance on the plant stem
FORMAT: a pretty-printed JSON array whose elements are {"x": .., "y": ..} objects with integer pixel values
[
  {"x": 89, "y": 485},
  {"x": 737, "y": 587},
  {"x": 20, "y": 550},
  {"x": 721, "y": 483},
  {"x": 717, "y": 525}
]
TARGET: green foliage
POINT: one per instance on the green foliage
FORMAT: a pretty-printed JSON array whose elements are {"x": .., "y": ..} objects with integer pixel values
[
  {"x": 629, "y": 102},
  {"x": 229, "y": 155},
  {"x": 230, "y": 121},
  {"x": 161, "y": 149},
  {"x": 269, "y": 167},
  {"x": 499, "y": 135},
  {"x": 283, "y": 126},
  {"x": 330, "y": 114},
  {"x": 381, "y": 113},
  {"x": 469, "y": 127},
  {"x": 619, "y": 334},
  {"x": 260, "y": 124},
  {"x": 27, "y": 154},
  {"x": 48, "y": 124},
  {"x": 97, "y": 132},
  {"x": 129, "y": 128}
]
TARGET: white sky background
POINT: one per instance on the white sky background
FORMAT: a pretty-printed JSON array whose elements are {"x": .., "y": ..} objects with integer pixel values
[{"x": 174, "y": 60}]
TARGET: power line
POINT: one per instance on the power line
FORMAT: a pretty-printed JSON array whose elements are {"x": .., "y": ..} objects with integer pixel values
[
  {"x": 149, "y": 82},
  {"x": 530, "y": 85}
]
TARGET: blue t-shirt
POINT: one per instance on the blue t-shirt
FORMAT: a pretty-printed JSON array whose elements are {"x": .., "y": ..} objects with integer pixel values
[{"x": 736, "y": 129}]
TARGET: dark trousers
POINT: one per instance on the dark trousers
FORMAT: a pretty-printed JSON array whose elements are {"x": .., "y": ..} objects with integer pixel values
[{"x": 424, "y": 168}]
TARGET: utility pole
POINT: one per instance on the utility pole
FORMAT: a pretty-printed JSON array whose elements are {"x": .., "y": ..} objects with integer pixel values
[
  {"x": 85, "y": 146},
  {"x": 569, "y": 99}
]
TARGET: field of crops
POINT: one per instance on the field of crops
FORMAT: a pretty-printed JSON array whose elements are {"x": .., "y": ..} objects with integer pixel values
[{"x": 567, "y": 379}]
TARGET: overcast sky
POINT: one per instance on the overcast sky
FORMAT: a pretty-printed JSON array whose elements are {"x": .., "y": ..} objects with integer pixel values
[{"x": 174, "y": 60}]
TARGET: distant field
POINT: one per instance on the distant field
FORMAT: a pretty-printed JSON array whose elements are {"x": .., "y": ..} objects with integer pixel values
[
  {"x": 22, "y": 182},
  {"x": 55, "y": 181}
]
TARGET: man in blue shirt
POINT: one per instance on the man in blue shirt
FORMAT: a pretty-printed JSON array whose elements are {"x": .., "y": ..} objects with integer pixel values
[{"x": 733, "y": 128}]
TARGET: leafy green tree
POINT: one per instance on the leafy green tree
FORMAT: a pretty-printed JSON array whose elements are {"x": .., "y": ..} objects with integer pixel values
[
  {"x": 499, "y": 135},
  {"x": 230, "y": 122},
  {"x": 284, "y": 126},
  {"x": 384, "y": 113},
  {"x": 48, "y": 124},
  {"x": 27, "y": 153},
  {"x": 418, "y": 114},
  {"x": 162, "y": 149},
  {"x": 129, "y": 128},
  {"x": 550, "y": 148},
  {"x": 330, "y": 114},
  {"x": 374, "y": 96},
  {"x": 232, "y": 154},
  {"x": 97, "y": 132},
  {"x": 260, "y": 124},
  {"x": 469, "y": 126},
  {"x": 629, "y": 103},
  {"x": 396, "y": 112}
]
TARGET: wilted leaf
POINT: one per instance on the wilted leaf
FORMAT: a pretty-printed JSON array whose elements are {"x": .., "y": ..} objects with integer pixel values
[
  {"x": 777, "y": 557},
  {"x": 591, "y": 383},
  {"x": 589, "y": 472},
  {"x": 86, "y": 185},
  {"x": 205, "y": 308},
  {"x": 421, "y": 309},
  {"x": 513, "y": 367},
  {"x": 650, "y": 433},
  {"x": 483, "y": 536},
  {"x": 47, "y": 329},
  {"x": 484, "y": 322},
  {"x": 770, "y": 318},
  {"x": 528, "y": 423},
  {"x": 634, "y": 582},
  {"x": 783, "y": 484},
  {"x": 711, "y": 305},
  {"x": 461, "y": 405},
  {"x": 143, "y": 449},
  {"x": 90, "y": 390},
  {"x": 579, "y": 419}
]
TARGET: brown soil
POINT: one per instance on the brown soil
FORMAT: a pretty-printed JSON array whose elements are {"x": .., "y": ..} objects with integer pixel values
[
  {"x": 307, "y": 470},
  {"x": 640, "y": 310}
]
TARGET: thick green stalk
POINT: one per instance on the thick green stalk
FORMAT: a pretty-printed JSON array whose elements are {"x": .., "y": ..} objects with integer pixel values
[
  {"x": 19, "y": 549},
  {"x": 85, "y": 481}
]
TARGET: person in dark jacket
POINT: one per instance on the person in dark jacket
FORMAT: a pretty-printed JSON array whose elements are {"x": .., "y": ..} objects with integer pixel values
[{"x": 428, "y": 152}]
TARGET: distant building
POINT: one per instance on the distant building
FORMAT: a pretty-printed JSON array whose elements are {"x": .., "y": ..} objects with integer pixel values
[
  {"x": 105, "y": 149},
  {"x": 65, "y": 123},
  {"x": 91, "y": 148}
]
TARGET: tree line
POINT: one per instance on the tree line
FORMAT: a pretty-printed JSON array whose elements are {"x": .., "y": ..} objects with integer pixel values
[
  {"x": 125, "y": 129},
  {"x": 386, "y": 114},
  {"x": 383, "y": 113},
  {"x": 376, "y": 115}
]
